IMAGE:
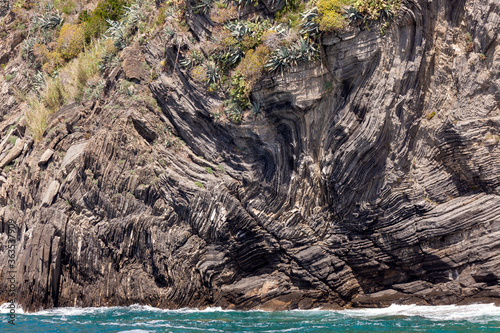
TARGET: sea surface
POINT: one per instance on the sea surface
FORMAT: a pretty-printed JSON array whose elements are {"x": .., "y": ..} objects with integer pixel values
[{"x": 140, "y": 319}]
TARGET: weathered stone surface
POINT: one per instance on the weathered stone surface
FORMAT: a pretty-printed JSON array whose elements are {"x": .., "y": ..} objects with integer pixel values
[
  {"x": 144, "y": 129},
  {"x": 383, "y": 188},
  {"x": 72, "y": 154},
  {"x": 50, "y": 193},
  {"x": 132, "y": 62},
  {"x": 44, "y": 159},
  {"x": 13, "y": 153}
]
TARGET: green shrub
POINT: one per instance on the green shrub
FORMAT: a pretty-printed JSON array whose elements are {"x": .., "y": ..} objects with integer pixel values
[
  {"x": 51, "y": 61},
  {"x": 331, "y": 14},
  {"x": 12, "y": 140},
  {"x": 66, "y": 6},
  {"x": 469, "y": 42},
  {"x": 328, "y": 86},
  {"x": 239, "y": 91},
  {"x": 95, "y": 22},
  {"x": 290, "y": 13},
  {"x": 71, "y": 41},
  {"x": 252, "y": 66},
  {"x": 200, "y": 185},
  {"x": 373, "y": 9}
]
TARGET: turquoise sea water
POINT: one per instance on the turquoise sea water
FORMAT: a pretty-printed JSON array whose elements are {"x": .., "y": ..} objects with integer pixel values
[{"x": 140, "y": 319}]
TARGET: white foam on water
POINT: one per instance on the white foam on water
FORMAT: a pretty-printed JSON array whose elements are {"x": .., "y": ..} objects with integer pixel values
[
  {"x": 473, "y": 312},
  {"x": 4, "y": 308},
  {"x": 134, "y": 331},
  {"x": 438, "y": 312},
  {"x": 71, "y": 311}
]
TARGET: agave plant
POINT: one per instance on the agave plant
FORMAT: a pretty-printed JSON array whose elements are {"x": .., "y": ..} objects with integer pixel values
[
  {"x": 213, "y": 75},
  {"x": 279, "y": 59},
  {"x": 169, "y": 31},
  {"x": 203, "y": 6},
  {"x": 229, "y": 57},
  {"x": 387, "y": 13},
  {"x": 27, "y": 48},
  {"x": 255, "y": 107},
  {"x": 234, "y": 55},
  {"x": 352, "y": 15},
  {"x": 193, "y": 58},
  {"x": 233, "y": 112},
  {"x": 280, "y": 29},
  {"x": 285, "y": 57},
  {"x": 305, "y": 51},
  {"x": 186, "y": 63},
  {"x": 49, "y": 21},
  {"x": 38, "y": 81},
  {"x": 238, "y": 29},
  {"x": 48, "y": 6},
  {"x": 116, "y": 32},
  {"x": 245, "y": 2},
  {"x": 309, "y": 23},
  {"x": 133, "y": 14}
]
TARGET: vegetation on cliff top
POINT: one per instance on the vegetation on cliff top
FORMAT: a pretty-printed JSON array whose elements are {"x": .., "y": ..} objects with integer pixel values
[{"x": 70, "y": 51}]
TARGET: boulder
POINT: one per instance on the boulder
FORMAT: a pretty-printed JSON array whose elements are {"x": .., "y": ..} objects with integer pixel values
[
  {"x": 50, "y": 193},
  {"x": 72, "y": 154},
  {"x": 132, "y": 63},
  {"x": 45, "y": 157},
  {"x": 13, "y": 153}
]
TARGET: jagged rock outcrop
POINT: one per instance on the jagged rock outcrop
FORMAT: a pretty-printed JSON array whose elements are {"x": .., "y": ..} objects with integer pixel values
[{"x": 372, "y": 177}]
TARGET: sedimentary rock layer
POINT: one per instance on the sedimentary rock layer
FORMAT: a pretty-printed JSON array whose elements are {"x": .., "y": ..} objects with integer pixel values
[{"x": 372, "y": 177}]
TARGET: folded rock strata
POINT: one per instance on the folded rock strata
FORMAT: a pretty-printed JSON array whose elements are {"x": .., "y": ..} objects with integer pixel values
[{"x": 384, "y": 188}]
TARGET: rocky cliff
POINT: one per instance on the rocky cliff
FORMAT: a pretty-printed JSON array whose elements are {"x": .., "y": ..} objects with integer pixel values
[{"x": 371, "y": 177}]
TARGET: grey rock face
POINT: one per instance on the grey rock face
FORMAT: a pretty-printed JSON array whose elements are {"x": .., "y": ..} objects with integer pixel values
[
  {"x": 13, "y": 153},
  {"x": 50, "y": 193},
  {"x": 383, "y": 189},
  {"x": 44, "y": 159},
  {"x": 72, "y": 154}
]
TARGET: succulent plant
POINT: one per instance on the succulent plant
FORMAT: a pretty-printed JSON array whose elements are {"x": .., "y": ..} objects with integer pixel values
[
  {"x": 203, "y": 6},
  {"x": 255, "y": 107},
  {"x": 116, "y": 32},
  {"x": 169, "y": 31},
  {"x": 279, "y": 60},
  {"x": 27, "y": 48},
  {"x": 38, "y": 81},
  {"x": 305, "y": 51},
  {"x": 285, "y": 57},
  {"x": 279, "y": 29},
  {"x": 186, "y": 63},
  {"x": 245, "y": 2},
  {"x": 49, "y": 21},
  {"x": 229, "y": 56},
  {"x": 133, "y": 14},
  {"x": 213, "y": 75},
  {"x": 309, "y": 23},
  {"x": 193, "y": 58},
  {"x": 238, "y": 29},
  {"x": 352, "y": 15},
  {"x": 233, "y": 112}
]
